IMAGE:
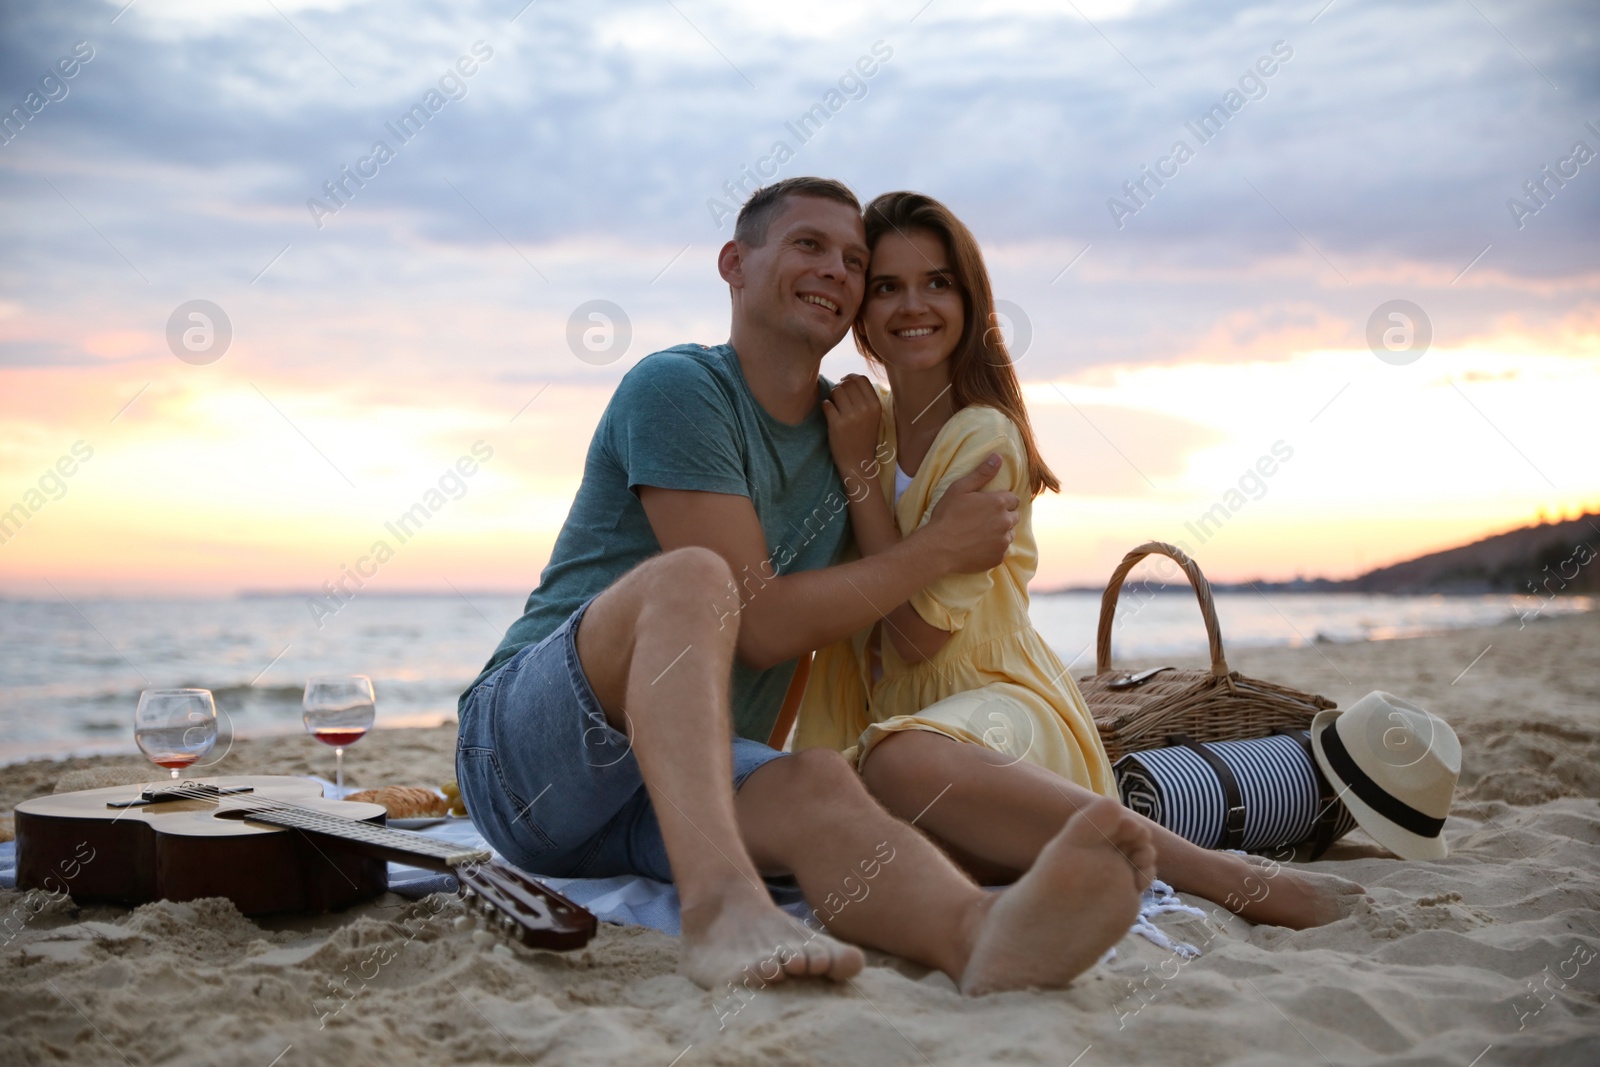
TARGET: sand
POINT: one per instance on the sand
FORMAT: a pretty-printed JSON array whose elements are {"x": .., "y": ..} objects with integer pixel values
[{"x": 1489, "y": 957}]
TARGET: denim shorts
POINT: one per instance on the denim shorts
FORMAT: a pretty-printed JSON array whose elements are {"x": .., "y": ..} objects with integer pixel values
[{"x": 551, "y": 785}]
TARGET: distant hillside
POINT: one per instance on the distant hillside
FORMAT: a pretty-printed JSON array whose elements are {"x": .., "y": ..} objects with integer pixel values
[
  {"x": 1548, "y": 559},
  {"x": 1545, "y": 560}
]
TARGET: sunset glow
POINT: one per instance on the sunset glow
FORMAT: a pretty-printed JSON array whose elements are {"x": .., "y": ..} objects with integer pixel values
[{"x": 1164, "y": 352}]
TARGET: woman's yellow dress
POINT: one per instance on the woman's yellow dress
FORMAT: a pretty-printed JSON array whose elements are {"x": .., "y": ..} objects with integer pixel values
[{"x": 995, "y": 683}]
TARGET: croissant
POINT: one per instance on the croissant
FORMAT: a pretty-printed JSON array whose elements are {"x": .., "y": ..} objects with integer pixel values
[{"x": 404, "y": 801}]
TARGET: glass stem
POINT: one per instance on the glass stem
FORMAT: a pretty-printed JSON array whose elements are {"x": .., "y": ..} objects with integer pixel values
[
  {"x": 338, "y": 770},
  {"x": 174, "y": 774}
]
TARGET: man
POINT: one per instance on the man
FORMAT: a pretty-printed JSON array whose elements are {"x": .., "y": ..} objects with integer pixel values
[{"x": 694, "y": 567}]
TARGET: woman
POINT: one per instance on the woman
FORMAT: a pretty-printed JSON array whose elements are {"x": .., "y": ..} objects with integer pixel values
[{"x": 958, "y": 715}]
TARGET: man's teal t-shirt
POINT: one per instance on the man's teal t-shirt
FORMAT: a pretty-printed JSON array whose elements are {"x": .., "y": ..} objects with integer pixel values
[{"x": 685, "y": 418}]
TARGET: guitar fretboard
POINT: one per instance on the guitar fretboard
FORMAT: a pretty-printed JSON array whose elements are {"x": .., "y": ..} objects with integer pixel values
[{"x": 419, "y": 850}]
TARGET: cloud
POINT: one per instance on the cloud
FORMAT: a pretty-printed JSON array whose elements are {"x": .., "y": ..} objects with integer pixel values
[{"x": 1385, "y": 148}]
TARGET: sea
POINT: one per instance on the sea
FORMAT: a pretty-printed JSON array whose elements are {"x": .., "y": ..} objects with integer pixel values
[{"x": 71, "y": 670}]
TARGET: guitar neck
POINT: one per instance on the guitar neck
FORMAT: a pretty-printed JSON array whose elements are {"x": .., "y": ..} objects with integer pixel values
[{"x": 367, "y": 839}]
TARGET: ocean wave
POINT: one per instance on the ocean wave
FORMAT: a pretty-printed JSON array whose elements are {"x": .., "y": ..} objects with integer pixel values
[{"x": 289, "y": 694}]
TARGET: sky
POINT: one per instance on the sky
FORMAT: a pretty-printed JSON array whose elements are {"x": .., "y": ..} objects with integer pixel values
[{"x": 400, "y": 218}]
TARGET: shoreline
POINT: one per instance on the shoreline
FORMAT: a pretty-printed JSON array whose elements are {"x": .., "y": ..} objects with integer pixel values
[
  {"x": 88, "y": 748},
  {"x": 122, "y": 745},
  {"x": 1457, "y": 674}
]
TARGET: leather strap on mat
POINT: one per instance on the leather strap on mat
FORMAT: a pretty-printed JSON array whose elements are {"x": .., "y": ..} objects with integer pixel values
[
  {"x": 1233, "y": 821},
  {"x": 1329, "y": 810}
]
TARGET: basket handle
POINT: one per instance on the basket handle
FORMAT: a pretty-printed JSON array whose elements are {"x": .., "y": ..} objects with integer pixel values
[{"x": 1202, "y": 591}]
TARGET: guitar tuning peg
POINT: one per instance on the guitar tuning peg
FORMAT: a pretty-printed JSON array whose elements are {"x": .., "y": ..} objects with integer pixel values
[
  {"x": 508, "y": 923},
  {"x": 468, "y": 893}
]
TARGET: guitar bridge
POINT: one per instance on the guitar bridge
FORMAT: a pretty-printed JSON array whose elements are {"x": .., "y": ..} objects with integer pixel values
[{"x": 180, "y": 791}]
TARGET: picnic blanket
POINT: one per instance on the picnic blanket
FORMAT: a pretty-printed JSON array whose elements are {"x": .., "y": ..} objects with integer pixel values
[{"x": 629, "y": 900}]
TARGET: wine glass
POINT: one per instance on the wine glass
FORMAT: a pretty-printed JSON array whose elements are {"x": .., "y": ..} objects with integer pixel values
[
  {"x": 338, "y": 712},
  {"x": 175, "y": 727}
]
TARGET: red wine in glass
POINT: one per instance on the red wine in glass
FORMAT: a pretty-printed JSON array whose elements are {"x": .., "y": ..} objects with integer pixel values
[
  {"x": 337, "y": 737},
  {"x": 338, "y": 711}
]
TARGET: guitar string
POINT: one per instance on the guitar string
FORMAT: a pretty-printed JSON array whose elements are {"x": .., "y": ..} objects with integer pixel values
[{"x": 347, "y": 826}]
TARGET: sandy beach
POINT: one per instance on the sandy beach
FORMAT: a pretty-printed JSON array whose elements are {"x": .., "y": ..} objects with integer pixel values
[{"x": 1489, "y": 957}]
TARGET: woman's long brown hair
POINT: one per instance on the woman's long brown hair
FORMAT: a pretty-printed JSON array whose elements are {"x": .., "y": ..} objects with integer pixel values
[{"x": 980, "y": 367}]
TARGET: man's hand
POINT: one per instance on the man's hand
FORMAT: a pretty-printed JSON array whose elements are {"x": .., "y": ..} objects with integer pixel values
[
  {"x": 853, "y": 412},
  {"x": 782, "y": 617},
  {"x": 974, "y": 528}
]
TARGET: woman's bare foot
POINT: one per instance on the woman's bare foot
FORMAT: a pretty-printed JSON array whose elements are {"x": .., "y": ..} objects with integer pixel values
[
  {"x": 1268, "y": 892},
  {"x": 740, "y": 940},
  {"x": 1079, "y": 898}
]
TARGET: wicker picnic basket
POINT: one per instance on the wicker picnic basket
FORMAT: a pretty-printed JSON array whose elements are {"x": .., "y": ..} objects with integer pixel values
[{"x": 1140, "y": 711}]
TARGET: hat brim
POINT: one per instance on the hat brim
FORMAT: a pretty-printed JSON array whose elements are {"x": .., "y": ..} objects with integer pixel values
[{"x": 1401, "y": 842}]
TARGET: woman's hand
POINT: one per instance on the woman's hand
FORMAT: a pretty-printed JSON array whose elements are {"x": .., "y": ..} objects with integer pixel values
[{"x": 853, "y": 413}]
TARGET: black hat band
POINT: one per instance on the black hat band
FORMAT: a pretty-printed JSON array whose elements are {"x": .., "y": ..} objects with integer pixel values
[{"x": 1371, "y": 793}]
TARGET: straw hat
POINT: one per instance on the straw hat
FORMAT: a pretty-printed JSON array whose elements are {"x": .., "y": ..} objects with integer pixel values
[{"x": 1395, "y": 767}]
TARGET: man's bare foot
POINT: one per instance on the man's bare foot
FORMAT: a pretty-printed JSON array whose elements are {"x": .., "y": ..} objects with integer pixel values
[
  {"x": 1271, "y": 893},
  {"x": 753, "y": 941},
  {"x": 1079, "y": 898}
]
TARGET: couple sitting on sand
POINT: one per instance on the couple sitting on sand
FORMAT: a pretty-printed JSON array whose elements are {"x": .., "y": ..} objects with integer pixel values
[{"x": 619, "y": 727}]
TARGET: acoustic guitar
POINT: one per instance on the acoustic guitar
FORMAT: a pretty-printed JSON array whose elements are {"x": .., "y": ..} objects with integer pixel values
[{"x": 270, "y": 844}]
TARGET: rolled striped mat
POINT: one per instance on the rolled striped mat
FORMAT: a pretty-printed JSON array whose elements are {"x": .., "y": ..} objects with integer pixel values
[{"x": 1278, "y": 783}]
